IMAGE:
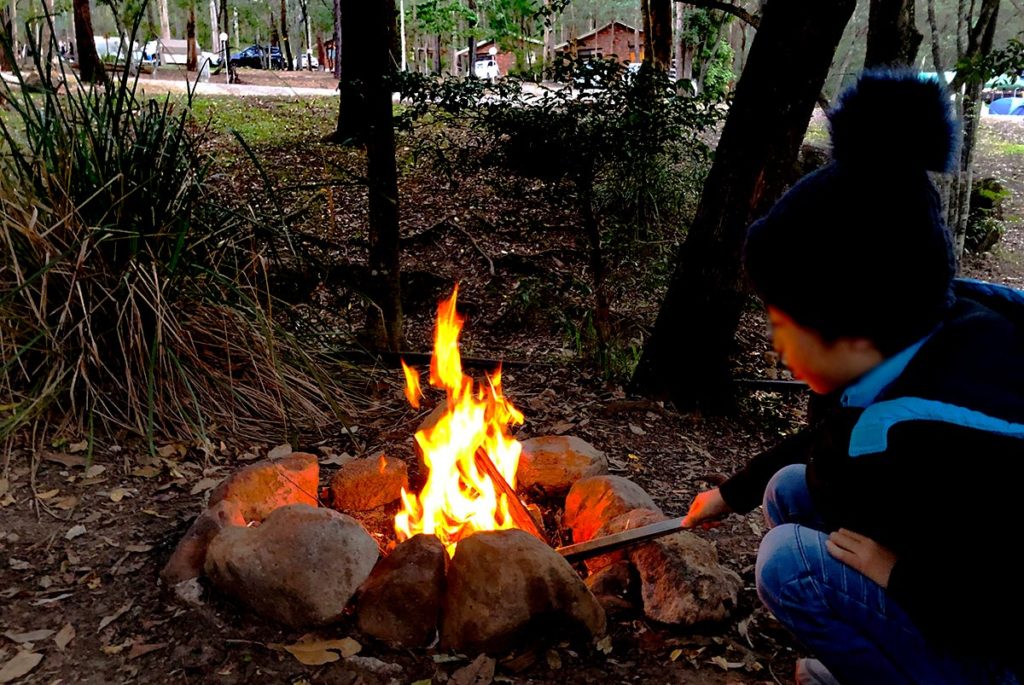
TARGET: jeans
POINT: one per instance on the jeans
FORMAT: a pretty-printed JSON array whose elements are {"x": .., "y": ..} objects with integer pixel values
[{"x": 845, "y": 619}]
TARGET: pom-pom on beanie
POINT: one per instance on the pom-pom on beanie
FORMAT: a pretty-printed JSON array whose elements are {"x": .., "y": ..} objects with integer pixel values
[{"x": 859, "y": 247}]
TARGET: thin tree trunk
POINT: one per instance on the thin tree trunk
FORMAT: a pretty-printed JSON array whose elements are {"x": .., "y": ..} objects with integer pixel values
[
  {"x": 661, "y": 30},
  {"x": 384, "y": 321},
  {"x": 437, "y": 54},
  {"x": 962, "y": 22},
  {"x": 165, "y": 21},
  {"x": 471, "y": 52},
  {"x": 687, "y": 356},
  {"x": 337, "y": 39},
  {"x": 678, "y": 41},
  {"x": 549, "y": 34},
  {"x": 933, "y": 24},
  {"x": 6, "y": 58},
  {"x": 286, "y": 44},
  {"x": 214, "y": 28},
  {"x": 598, "y": 271},
  {"x": 192, "y": 60},
  {"x": 645, "y": 15},
  {"x": 90, "y": 69},
  {"x": 893, "y": 38}
]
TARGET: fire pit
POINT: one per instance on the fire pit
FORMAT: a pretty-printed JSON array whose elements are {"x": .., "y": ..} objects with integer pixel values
[{"x": 471, "y": 566}]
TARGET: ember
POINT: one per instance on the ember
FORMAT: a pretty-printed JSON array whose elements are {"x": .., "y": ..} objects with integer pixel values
[{"x": 460, "y": 497}]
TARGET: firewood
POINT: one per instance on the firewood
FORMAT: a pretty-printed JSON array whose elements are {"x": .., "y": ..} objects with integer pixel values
[{"x": 520, "y": 515}]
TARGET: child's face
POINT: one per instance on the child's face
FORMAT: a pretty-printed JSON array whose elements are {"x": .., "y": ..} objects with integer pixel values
[{"x": 825, "y": 365}]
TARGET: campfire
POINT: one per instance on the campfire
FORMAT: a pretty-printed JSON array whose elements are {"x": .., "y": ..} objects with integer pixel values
[{"x": 470, "y": 454}]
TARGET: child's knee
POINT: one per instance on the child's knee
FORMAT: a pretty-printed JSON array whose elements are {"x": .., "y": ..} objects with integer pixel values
[
  {"x": 786, "y": 487},
  {"x": 780, "y": 563}
]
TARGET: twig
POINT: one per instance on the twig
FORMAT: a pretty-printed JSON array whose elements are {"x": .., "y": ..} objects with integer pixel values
[
  {"x": 490, "y": 262},
  {"x": 520, "y": 515}
]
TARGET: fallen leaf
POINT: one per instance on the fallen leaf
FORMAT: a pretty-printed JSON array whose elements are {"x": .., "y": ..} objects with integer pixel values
[
  {"x": 636, "y": 430},
  {"x": 138, "y": 549},
  {"x": 19, "y": 564},
  {"x": 49, "y": 600},
  {"x": 117, "y": 494},
  {"x": 19, "y": 665},
  {"x": 49, "y": 494},
  {"x": 248, "y": 456},
  {"x": 141, "y": 649},
  {"x": 447, "y": 658},
  {"x": 282, "y": 450},
  {"x": 153, "y": 512},
  {"x": 95, "y": 470},
  {"x": 172, "y": 450},
  {"x": 315, "y": 653},
  {"x": 78, "y": 446},
  {"x": 74, "y": 532},
  {"x": 205, "y": 484},
  {"x": 5, "y": 485},
  {"x": 337, "y": 459},
  {"x": 111, "y": 650},
  {"x": 554, "y": 661},
  {"x": 6, "y": 500},
  {"x": 66, "y": 503},
  {"x": 427, "y": 681},
  {"x": 65, "y": 459},
  {"x": 64, "y": 636},
  {"x": 604, "y": 645},
  {"x": 146, "y": 472},
  {"x": 107, "y": 620},
  {"x": 561, "y": 427},
  {"x": 33, "y": 636},
  {"x": 479, "y": 672},
  {"x": 743, "y": 627},
  {"x": 675, "y": 654}
]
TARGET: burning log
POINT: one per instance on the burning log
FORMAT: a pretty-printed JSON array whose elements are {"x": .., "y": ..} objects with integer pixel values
[{"x": 520, "y": 516}]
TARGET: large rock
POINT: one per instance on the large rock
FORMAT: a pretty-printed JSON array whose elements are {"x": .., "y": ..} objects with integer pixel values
[
  {"x": 189, "y": 556},
  {"x": 505, "y": 587},
  {"x": 401, "y": 600},
  {"x": 262, "y": 487},
  {"x": 615, "y": 587},
  {"x": 628, "y": 521},
  {"x": 363, "y": 484},
  {"x": 552, "y": 464},
  {"x": 682, "y": 582},
  {"x": 300, "y": 567},
  {"x": 594, "y": 501}
]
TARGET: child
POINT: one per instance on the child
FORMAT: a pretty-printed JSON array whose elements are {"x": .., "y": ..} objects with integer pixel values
[{"x": 892, "y": 517}]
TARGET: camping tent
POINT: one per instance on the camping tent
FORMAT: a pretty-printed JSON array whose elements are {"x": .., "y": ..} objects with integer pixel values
[{"x": 1007, "y": 106}]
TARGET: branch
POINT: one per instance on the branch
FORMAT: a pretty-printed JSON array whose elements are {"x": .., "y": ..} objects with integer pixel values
[{"x": 729, "y": 8}]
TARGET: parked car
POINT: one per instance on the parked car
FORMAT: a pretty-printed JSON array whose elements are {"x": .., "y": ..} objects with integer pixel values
[
  {"x": 258, "y": 57},
  {"x": 486, "y": 69}
]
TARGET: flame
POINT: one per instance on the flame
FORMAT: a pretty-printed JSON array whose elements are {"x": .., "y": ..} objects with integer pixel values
[{"x": 458, "y": 498}]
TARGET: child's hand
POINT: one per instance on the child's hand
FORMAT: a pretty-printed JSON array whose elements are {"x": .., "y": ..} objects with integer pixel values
[
  {"x": 707, "y": 507},
  {"x": 862, "y": 554}
]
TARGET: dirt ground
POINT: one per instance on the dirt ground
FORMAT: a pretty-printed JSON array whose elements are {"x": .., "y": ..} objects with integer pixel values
[{"x": 83, "y": 537}]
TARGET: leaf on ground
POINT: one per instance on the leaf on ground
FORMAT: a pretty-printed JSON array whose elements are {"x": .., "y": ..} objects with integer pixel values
[
  {"x": 337, "y": 459},
  {"x": 19, "y": 564},
  {"x": 74, "y": 532},
  {"x": 205, "y": 484},
  {"x": 95, "y": 470},
  {"x": 22, "y": 663},
  {"x": 7, "y": 500},
  {"x": 282, "y": 450},
  {"x": 561, "y": 427},
  {"x": 172, "y": 450},
  {"x": 64, "y": 636},
  {"x": 675, "y": 654},
  {"x": 78, "y": 446},
  {"x": 138, "y": 549},
  {"x": 553, "y": 659},
  {"x": 65, "y": 459},
  {"x": 146, "y": 472},
  {"x": 743, "y": 627},
  {"x": 49, "y": 494},
  {"x": 139, "y": 649},
  {"x": 107, "y": 620},
  {"x": 117, "y": 494},
  {"x": 66, "y": 503},
  {"x": 479, "y": 672},
  {"x": 32, "y": 636},
  {"x": 5, "y": 485},
  {"x": 725, "y": 665},
  {"x": 317, "y": 652},
  {"x": 636, "y": 430},
  {"x": 604, "y": 645}
]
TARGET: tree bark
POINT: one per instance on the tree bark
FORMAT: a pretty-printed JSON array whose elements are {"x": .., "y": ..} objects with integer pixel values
[
  {"x": 192, "y": 58},
  {"x": 678, "y": 43},
  {"x": 687, "y": 356},
  {"x": 471, "y": 45},
  {"x": 933, "y": 25},
  {"x": 337, "y": 39},
  {"x": 384, "y": 320},
  {"x": 90, "y": 68},
  {"x": 289, "y": 62},
  {"x": 165, "y": 21},
  {"x": 893, "y": 38},
  {"x": 645, "y": 16},
  {"x": 355, "y": 46},
  {"x": 6, "y": 58},
  {"x": 661, "y": 30}
]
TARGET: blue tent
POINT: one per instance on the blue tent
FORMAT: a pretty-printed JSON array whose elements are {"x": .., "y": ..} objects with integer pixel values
[{"x": 1007, "y": 106}]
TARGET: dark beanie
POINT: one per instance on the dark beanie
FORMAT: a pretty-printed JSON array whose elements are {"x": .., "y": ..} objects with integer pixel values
[{"x": 859, "y": 248}]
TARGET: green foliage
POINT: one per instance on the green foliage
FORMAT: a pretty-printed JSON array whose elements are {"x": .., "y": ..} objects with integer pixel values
[
  {"x": 981, "y": 68},
  {"x": 985, "y": 223}
]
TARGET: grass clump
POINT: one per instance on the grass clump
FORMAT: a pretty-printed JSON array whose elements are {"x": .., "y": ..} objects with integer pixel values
[{"x": 129, "y": 297}]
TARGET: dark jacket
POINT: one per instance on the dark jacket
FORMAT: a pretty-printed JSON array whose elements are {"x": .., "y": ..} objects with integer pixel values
[{"x": 929, "y": 462}]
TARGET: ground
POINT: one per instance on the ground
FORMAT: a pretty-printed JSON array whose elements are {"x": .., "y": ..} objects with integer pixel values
[{"x": 82, "y": 537}]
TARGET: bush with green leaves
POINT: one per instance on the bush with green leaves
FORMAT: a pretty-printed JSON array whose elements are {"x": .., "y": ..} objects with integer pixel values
[
  {"x": 129, "y": 297},
  {"x": 985, "y": 222}
]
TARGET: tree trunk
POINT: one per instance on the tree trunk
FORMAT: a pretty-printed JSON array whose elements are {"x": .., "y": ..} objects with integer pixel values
[
  {"x": 165, "y": 21},
  {"x": 549, "y": 34},
  {"x": 893, "y": 38},
  {"x": 90, "y": 69},
  {"x": 598, "y": 271},
  {"x": 471, "y": 52},
  {"x": 214, "y": 28},
  {"x": 6, "y": 58},
  {"x": 286, "y": 44},
  {"x": 687, "y": 356},
  {"x": 437, "y": 54},
  {"x": 355, "y": 46},
  {"x": 679, "y": 42},
  {"x": 645, "y": 16},
  {"x": 384, "y": 320},
  {"x": 192, "y": 59},
  {"x": 337, "y": 39},
  {"x": 661, "y": 33},
  {"x": 933, "y": 24}
]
